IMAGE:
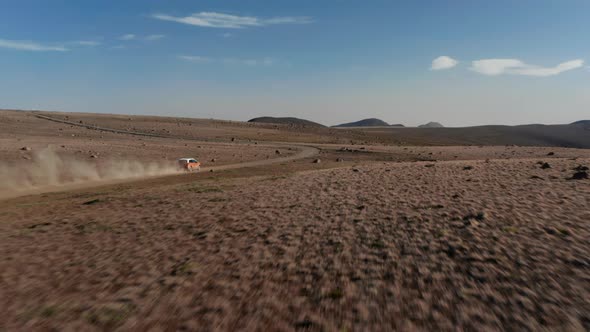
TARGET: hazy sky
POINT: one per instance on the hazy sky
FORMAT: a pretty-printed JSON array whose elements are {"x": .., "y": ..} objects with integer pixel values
[{"x": 460, "y": 62}]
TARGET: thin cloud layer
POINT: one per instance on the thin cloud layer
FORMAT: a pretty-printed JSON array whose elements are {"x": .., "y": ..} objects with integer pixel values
[
  {"x": 229, "y": 61},
  {"x": 494, "y": 67},
  {"x": 228, "y": 21},
  {"x": 30, "y": 46},
  {"x": 131, "y": 36},
  {"x": 154, "y": 37},
  {"x": 194, "y": 58},
  {"x": 87, "y": 43},
  {"x": 443, "y": 62},
  {"x": 128, "y": 36}
]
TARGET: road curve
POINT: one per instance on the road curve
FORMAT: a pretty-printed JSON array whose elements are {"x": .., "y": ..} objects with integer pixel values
[{"x": 304, "y": 151}]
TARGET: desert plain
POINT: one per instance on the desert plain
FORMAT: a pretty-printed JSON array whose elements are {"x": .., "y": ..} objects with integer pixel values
[{"x": 286, "y": 228}]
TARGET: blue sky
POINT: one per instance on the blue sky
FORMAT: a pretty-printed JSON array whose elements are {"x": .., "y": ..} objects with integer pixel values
[{"x": 456, "y": 62}]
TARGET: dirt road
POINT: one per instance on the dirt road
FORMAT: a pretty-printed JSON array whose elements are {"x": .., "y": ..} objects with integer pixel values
[{"x": 302, "y": 151}]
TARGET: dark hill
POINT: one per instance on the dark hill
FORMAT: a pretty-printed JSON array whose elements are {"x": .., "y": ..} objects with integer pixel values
[
  {"x": 584, "y": 123},
  {"x": 365, "y": 123},
  {"x": 286, "y": 121},
  {"x": 431, "y": 125},
  {"x": 573, "y": 136}
]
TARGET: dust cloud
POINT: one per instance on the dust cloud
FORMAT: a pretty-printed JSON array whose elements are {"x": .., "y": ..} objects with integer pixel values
[{"x": 48, "y": 169}]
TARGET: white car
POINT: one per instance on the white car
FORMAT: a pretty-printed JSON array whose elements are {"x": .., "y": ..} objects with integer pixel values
[{"x": 189, "y": 164}]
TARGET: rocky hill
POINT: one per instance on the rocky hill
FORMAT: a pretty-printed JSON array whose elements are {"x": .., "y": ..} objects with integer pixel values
[
  {"x": 286, "y": 121},
  {"x": 372, "y": 122},
  {"x": 431, "y": 125}
]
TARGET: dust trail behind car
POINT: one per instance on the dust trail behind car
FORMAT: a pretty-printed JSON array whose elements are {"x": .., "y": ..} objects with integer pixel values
[{"x": 47, "y": 169}]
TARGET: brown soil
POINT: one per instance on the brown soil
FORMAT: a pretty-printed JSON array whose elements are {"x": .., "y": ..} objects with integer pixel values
[{"x": 389, "y": 238}]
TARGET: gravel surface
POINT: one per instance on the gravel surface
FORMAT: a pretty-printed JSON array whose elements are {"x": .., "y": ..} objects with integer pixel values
[{"x": 453, "y": 245}]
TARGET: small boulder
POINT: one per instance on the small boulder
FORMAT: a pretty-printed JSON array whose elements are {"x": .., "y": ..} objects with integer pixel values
[
  {"x": 467, "y": 168},
  {"x": 581, "y": 168},
  {"x": 213, "y": 160},
  {"x": 277, "y": 152},
  {"x": 579, "y": 176},
  {"x": 317, "y": 161},
  {"x": 545, "y": 166},
  {"x": 551, "y": 154},
  {"x": 339, "y": 160},
  {"x": 25, "y": 148}
]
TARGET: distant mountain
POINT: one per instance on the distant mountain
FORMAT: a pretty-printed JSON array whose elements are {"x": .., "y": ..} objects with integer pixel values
[
  {"x": 286, "y": 121},
  {"x": 584, "y": 123},
  {"x": 372, "y": 122},
  {"x": 571, "y": 135},
  {"x": 431, "y": 125}
]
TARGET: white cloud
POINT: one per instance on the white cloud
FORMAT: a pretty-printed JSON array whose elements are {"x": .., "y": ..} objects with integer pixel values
[
  {"x": 29, "y": 46},
  {"x": 229, "y": 61},
  {"x": 220, "y": 20},
  {"x": 154, "y": 37},
  {"x": 128, "y": 36},
  {"x": 249, "y": 62},
  {"x": 494, "y": 67},
  {"x": 87, "y": 43},
  {"x": 443, "y": 62},
  {"x": 194, "y": 58}
]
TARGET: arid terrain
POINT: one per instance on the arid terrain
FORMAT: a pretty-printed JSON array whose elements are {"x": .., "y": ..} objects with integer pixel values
[{"x": 287, "y": 227}]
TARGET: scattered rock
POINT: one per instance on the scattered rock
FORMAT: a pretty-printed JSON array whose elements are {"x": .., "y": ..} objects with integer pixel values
[
  {"x": 579, "y": 176},
  {"x": 304, "y": 324},
  {"x": 467, "y": 168},
  {"x": 581, "y": 168},
  {"x": 25, "y": 148},
  {"x": 356, "y": 170},
  {"x": 94, "y": 156},
  {"x": 536, "y": 177},
  {"x": 339, "y": 160},
  {"x": 94, "y": 201},
  {"x": 317, "y": 161},
  {"x": 429, "y": 165},
  {"x": 480, "y": 216},
  {"x": 233, "y": 139},
  {"x": 545, "y": 166},
  {"x": 213, "y": 160},
  {"x": 551, "y": 154},
  {"x": 277, "y": 152}
]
